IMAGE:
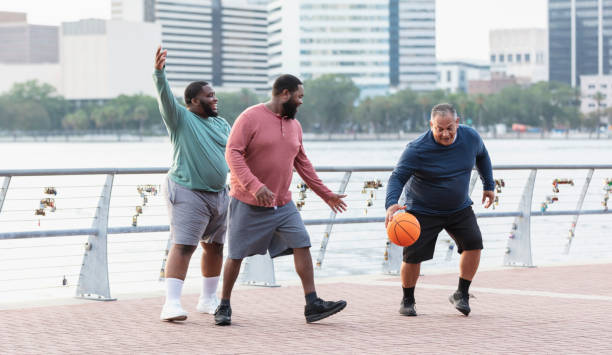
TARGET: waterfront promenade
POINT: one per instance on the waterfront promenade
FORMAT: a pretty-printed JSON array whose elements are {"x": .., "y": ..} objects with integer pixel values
[{"x": 561, "y": 309}]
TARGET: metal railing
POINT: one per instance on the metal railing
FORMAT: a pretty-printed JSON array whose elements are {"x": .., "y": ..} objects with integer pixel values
[{"x": 93, "y": 276}]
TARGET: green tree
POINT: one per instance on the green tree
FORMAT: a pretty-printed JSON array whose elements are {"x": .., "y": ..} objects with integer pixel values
[
  {"x": 106, "y": 117},
  {"x": 78, "y": 120},
  {"x": 231, "y": 104},
  {"x": 7, "y": 122},
  {"x": 46, "y": 96},
  {"x": 329, "y": 101},
  {"x": 30, "y": 116},
  {"x": 373, "y": 113}
]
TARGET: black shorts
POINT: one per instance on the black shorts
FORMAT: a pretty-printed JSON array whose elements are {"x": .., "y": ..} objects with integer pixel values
[{"x": 461, "y": 226}]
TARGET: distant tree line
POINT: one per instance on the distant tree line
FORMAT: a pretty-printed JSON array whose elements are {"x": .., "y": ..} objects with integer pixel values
[{"x": 331, "y": 104}]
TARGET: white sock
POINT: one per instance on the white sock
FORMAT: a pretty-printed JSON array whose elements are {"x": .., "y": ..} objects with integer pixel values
[
  {"x": 209, "y": 287},
  {"x": 174, "y": 288}
]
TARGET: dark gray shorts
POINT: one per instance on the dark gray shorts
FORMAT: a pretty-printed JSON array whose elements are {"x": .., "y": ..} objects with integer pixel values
[
  {"x": 196, "y": 215},
  {"x": 461, "y": 226},
  {"x": 256, "y": 230}
]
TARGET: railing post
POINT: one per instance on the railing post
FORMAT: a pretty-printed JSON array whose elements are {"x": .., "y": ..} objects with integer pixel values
[
  {"x": 572, "y": 229},
  {"x": 518, "y": 249},
  {"x": 4, "y": 190},
  {"x": 393, "y": 257},
  {"x": 258, "y": 271},
  {"x": 162, "y": 271},
  {"x": 332, "y": 216},
  {"x": 93, "y": 278}
]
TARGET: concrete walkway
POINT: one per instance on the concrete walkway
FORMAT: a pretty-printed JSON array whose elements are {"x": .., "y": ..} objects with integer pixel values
[{"x": 565, "y": 309}]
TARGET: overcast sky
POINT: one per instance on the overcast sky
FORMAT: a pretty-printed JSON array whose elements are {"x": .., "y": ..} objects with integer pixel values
[{"x": 462, "y": 25}]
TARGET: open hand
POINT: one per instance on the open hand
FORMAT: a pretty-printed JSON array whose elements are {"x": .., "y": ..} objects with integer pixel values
[
  {"x": 488, "y": 196},
  {"x": 336, "y": 203},
  {"x": 160, "y": 58},
  {"x": 391, "y": 211}
]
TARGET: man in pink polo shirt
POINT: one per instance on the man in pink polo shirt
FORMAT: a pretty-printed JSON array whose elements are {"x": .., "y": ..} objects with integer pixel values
[{"x": 263, "y": 148}]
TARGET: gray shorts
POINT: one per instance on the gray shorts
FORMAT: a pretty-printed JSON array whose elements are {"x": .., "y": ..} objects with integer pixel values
[
  {"x": 196, "y": 215},
  {"x": 256, "y": 230}
]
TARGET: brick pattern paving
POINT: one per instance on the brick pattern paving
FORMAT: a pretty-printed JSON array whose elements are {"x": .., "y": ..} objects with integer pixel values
[{"x": 270, "y": 320}]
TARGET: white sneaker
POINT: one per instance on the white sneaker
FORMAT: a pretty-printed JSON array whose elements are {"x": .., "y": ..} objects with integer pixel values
[
  {"x": 208, "y": 305},
  {"x": 173, "y": 312}
]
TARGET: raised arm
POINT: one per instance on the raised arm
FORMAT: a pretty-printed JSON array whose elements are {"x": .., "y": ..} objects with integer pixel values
[
  {"x": 400, "y": 175},
  {"x": 171, "y": 111}
]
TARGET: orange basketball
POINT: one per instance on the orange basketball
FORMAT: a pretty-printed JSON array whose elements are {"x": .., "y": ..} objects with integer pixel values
[{"x": 404, "y": 229}]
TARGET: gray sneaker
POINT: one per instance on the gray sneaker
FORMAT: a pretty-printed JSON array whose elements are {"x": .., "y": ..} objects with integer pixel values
[
  {"x": 461, "y": 302},
  {"x": 223, "y": 315},
  {"x": 407, "y": 308}
]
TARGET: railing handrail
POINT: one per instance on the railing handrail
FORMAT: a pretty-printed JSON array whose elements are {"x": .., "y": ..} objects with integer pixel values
[
  {"x": 322, "y": 169},
  {"x": 94, "y": 270}
]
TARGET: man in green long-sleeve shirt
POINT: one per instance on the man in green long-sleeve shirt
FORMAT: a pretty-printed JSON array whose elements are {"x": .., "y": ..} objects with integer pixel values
[{"x": 195, "y": 188}]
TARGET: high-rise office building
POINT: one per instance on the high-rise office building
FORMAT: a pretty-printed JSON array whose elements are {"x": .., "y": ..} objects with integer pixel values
[
  {"x": 380, "y": 44},
  {"x": 580, "y": 39},
  {"x": 24, "y": 43},
  {"x": 220, "y": 41},
  {"x": 416, "y": 23}
]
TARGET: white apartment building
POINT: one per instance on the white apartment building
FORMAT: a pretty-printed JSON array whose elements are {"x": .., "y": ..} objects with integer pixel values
[
  {"x": 454, "y": 76},
  {"x": 44, "y": 73},
  {"x": 223, "y": 42},
  {"x": 522, "y": 53},
  {"x": 380, "y": 44},
  {"x": 596, "y": 90},
  {"x": 102, "y": 59}
]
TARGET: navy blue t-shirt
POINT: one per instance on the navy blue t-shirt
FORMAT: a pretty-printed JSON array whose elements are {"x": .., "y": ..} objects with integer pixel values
[{"x": 437, "y": 177}]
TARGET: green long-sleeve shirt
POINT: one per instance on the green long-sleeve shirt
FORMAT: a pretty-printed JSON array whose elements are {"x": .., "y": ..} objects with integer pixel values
[{"x": 198, "y": 144}]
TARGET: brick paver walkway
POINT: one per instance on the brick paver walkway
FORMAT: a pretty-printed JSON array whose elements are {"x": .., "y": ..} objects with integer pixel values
[{"x": 541, "y": 310}]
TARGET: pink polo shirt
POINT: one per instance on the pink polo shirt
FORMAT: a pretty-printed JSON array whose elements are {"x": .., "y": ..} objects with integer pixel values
[{"x": 262, "y": 149}]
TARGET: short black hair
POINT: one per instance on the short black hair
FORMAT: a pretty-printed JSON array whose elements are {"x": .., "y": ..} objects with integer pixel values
[
  {"x": 285, "y": 81},
  {"x": 192, "y": 90}
]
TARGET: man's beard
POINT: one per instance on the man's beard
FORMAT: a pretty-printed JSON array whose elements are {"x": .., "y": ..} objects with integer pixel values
[
  {"x": 289, "y": 109},
  {"x": 208, "y": 111}
]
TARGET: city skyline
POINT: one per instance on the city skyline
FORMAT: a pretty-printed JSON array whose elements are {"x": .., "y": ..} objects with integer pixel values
[{"x": 462, "y": 27}]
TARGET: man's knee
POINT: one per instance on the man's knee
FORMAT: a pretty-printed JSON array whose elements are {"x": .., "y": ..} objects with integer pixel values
[
  {"x": 213, "y": 248},
  {"x": 184, "y": 249}
]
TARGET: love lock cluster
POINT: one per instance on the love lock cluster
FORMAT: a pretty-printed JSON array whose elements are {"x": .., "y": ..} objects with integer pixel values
[
  {"x": 550, "y": 199},
  {"x": 499, "y": 183},
  {"x": 144, "y": 191},
  {"x": 369, "y": 188},
  {"x": 46, "y": 203},
  {"x": 302, "y": 188},
  {"x": 607, "y": 189}
]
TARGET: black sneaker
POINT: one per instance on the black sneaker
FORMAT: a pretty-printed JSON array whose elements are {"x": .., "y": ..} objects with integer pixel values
[
  {"x": 407, "y": 308},
  {"x": 461, "y": 302},
  {"x": 223, "y": 315},
  {"x": 320, "y": 309}
]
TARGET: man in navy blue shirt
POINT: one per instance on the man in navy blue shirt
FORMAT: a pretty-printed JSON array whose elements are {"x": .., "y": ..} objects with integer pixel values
[{"x": 435, "y": 170}]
